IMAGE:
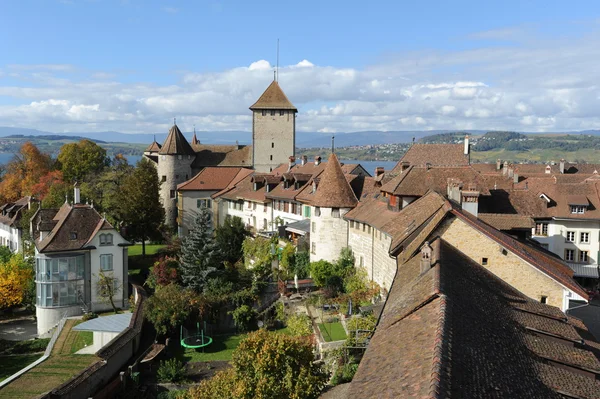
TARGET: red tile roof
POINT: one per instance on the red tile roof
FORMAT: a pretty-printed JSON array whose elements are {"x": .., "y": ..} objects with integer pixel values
[
  {"x": 435, "y": 155},
  {"x": 333, "y": 190},
  {"x": 211, "y": 178},
  {"x": 176, "y": 144}
]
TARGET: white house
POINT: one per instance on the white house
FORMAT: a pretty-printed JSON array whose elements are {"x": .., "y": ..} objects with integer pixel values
[
  {"x": 11, "y": 234},
  {"x": 73, "y": 245}
]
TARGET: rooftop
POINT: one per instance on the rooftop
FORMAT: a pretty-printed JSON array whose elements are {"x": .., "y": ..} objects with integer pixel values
[
  {"x": 273, "y": 98},
  {"x": 113, "y": 323}
]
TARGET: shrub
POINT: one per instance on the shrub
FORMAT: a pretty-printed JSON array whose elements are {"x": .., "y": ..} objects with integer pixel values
[
  {"x": 344, "y": 374},
  {"x": 89, "y": 316},
  {"x": 244, "y": 318},
  {"x": 299, "y": 325},
  {"x": 170, "y": 370},
  {"x": 302, "y": 264}
]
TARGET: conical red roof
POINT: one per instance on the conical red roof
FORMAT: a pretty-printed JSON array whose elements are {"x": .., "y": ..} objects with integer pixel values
[
  {"x": 176, "y": 144},
  {"x": 273, "y": 98},
  {"x": 333, "y": 190}
]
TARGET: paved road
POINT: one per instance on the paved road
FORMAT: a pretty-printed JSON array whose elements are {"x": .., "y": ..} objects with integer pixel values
[{"x": 18, "y": 329}]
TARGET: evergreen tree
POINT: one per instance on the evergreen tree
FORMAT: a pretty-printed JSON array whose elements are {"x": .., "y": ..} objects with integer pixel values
[
  {"x": 200, "y": 253},
  {"x": 142, "y": 210},
  {"x": 230, "y": 238}
]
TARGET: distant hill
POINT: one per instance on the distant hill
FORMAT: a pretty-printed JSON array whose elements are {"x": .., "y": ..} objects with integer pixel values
[{"x": 54, "y": 137}]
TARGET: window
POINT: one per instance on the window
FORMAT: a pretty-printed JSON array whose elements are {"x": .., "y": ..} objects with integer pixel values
[
  {"x": 569, "y": 255},
  {"x": 254, "y": 206},
  {"x": 272, "y": 112},
  {"x": 106, "y": 239},
  {"x": 584, "y": 238},
  {"x": 203, "y": 203},
  {"x": 577, "y": 209},
  {"x": 570, "y": 236},
  {"x": 541, "y": 229},
  {"x": 73, "y": 235},
  {"x": 264, "y": 224},
  {"x": 313, "y": 248},
  {"x": 286, "y": 206},
  {"x": 543, "y": 299},
  {"x": 317, "y": 211},
  {"x": 172, "y": 194},
  {"x": 264, "y": 112},
  {"x": 265, "y": 207},
  {"x": 484, "y": 261},
  {"x": 364, "y": 226},
  {"x": 307, "y": 211},
  {"x": 271, "y": 157},
  {"x": 352, "y": 224},
  {"x": 335, "y": 212},
  {"x": 272, "y": 144},
  {"x": 176, "y": 177},
  {"x": 163, "y": 179},
  {"x": 106, "y": 262},
  {"x": 281, "y": 112},
  {"x": 362, "y": 262},
  {"x": 584, "y": 256}
]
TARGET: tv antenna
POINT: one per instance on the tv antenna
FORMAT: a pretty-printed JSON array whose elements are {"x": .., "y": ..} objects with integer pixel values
[{"x": 277, "y": 65}]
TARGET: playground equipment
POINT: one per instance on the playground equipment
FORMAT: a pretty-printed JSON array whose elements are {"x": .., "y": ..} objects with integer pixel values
[{"x": 194, "y": 341}]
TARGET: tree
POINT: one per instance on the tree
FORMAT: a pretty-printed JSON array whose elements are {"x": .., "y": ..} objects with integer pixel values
[
  {"x": 143, "y": 213},
  {"x": 230, "y": 238},
  {"x": 163, "y": 273},
  {"x": 267, "y": 365},
  {"x": 321, "y": 272},
  {"x": 107, "y": 286},
  {"x": 200, "y": 253},
  {"x": 80, "y": 159},
  {"x": 169, "y": 307},
  {"x": 244, "y": 318},
  {"x": 24, "y": 172},
  {"x": 16, "y": 278}
]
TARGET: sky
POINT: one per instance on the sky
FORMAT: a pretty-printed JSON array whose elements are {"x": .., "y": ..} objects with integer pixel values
[{"x": 134, "y": 65}]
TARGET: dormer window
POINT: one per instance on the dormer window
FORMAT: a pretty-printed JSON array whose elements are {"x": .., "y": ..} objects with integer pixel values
[
  {"x": 73, "y": 235},
  {"x": 577, "y": 209},
  {"x": 106, "y": 239}
]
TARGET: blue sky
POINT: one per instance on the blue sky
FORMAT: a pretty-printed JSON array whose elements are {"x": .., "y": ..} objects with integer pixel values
[{"x": 348, "y": 65}]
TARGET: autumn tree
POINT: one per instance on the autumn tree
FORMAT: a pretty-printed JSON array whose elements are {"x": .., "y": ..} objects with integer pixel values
[
  {"x": 143, "y": 213},
  {"x": 267, "y": 365},
  {"x": 107, "y": 286},
  {"x": 16, "y": 280},
  {"x": 80, "y": 159},
  {"x": 169, "y": 307},
  {"x": 163, "y": 273},
  {"x": 23, "y": 172},
  {"x": 200, "y": 253}
]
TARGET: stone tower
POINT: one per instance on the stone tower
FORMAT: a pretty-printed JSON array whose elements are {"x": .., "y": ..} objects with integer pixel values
[
  {"x": 273, "y": 129},
  {"x": 174, "y": 166},
  {"x": 332, "y": 199}
]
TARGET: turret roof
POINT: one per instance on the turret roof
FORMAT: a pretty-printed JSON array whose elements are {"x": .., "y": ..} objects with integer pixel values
[
  {"x": 273, "y": 98},
  {"x": 333, "y": 190},
  {"x": 154, "y": 147},
  {"x": 176, "y": 144}
]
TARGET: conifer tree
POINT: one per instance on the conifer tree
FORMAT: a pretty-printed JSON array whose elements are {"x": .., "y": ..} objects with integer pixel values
[{"x": 200, "y": 253}]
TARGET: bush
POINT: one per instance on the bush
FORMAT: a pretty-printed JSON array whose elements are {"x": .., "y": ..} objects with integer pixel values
[
  {"x": 89, "y": 316},
  {"x": 344, "y": 374},
  {"x": 170, "y": 370},
  {"x": 299, "y": 325},
  {"x": 302, "y": 264},
  {"x": 244, "y": 318}
]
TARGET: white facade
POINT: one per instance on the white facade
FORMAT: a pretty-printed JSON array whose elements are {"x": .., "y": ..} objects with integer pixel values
[
  {"x": 576, "y": 241},
  {"x": 328, "y": 233},
  {"x": 189, "y": 203},
  {"x": 256, "y": 215},
  {"x": 10, "y": 237}
]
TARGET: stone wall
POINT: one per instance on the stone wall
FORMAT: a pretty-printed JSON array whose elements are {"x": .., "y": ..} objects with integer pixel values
[
  {"x": 273, "y": 138},
  {"x": 172, "y": 171},
  {"x": 328, "y": 234},
  {"x": 510, "y": 268}
]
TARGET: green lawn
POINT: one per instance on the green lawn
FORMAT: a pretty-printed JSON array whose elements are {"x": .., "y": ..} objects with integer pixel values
[
  {"x": 221, "y": 349},
  {"x": 12, "y": 364},
  {"x": 82, "y": 339},
  {"x": 332, "y": 331},
  {"x": 151, "y": 249}
]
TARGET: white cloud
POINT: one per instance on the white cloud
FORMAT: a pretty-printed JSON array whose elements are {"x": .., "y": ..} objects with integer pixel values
[{"x": 535, "y": 86}]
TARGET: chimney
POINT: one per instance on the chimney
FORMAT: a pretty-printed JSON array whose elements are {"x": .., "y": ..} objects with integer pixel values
[
  {"x": 498, "y": 164},
  {"x": 454, "y": 190},
  {"x": 470, "y": 201},
  {"x": 505, "y": 168},
  {"x": 548, "y": 169},
  {"x": 77, "y": 197},
  {"x": 317, "y": 160},
  {"x": 379, "y": 171},
  {"x": 562, "y": 166},
  {"x": 467, "y": 149},
  {"x": 426, "y": 252},
  {"x": 510, "y": 171},
  {"x": 303, "y": 160},
  {"x": 292, "y": 163},
  {"x": 515, "y": 178}
]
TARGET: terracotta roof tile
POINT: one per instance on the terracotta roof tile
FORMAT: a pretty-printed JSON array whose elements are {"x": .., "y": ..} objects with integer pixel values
[
  {"x": 273, "y": 98},
  {"x": 154, "y": 147},
  {"x": 211, "y": 178},
  {"x": 502, "y": 221},
  {"x": 434, "y": 154},
  {"x": 333, "y": 190},
  {"x": 176, "y": 144}
]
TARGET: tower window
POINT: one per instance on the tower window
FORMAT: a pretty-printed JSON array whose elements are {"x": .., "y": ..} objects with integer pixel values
[
  {"x": 176, "y": 176},
  {"x": 272, "y": 145},
  {"x": 264, "y": 112},
  {"x": 272, "y": 112},
  {"x": 172, "y": 193},
  {"x": 282, "y": 112},
  {"x": 543, "y": 299},
  {"x": 271, "y": 157},
  {"x": 164, "y": 178},
  {"x": 484, "y": 261}
]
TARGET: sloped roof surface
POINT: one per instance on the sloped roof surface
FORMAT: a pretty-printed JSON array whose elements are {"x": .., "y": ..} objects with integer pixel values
[
  {"x": 458, "y": 331},
  {"x": 434, "y": 154},
  {"x": 211, "y": 178},
  {"x": 113, "y": 323},
  {"x": 333, "y": 190},
  {"x": 273, "y": 98},
  {"x": 154, "y": 147},
  {"x": 176, "y": 144},
  {"x": 502, "y": 221},
  {"x": 222, "y": 155}
]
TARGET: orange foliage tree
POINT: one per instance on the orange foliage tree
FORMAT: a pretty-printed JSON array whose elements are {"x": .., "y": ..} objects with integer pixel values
[
  {"x": 25, "y": 171},
  {"x": 16, "y": 278}
]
